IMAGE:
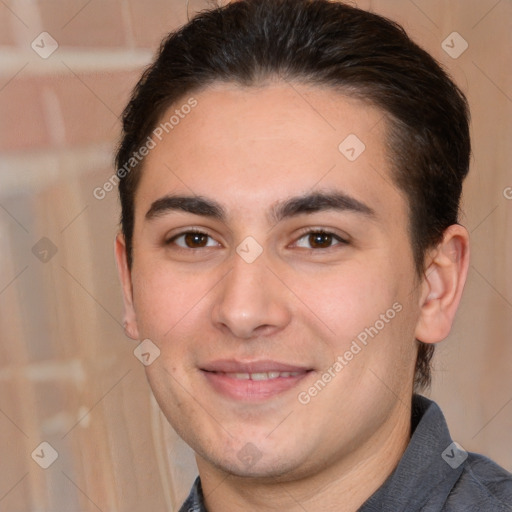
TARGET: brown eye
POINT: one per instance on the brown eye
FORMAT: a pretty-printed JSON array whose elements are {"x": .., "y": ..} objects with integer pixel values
[
  {"x": 192, "y": 240},
  {"x": 319, "y": 240}
]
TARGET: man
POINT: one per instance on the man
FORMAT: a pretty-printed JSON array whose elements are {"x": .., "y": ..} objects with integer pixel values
[{"x": 290, "y": 175}]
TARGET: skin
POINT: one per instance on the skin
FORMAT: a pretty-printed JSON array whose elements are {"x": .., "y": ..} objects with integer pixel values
[{"x": 300, "y": 302}]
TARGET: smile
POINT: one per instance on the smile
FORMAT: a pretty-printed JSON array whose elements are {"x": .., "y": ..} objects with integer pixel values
[
  {"x": 254, "y": 381},
  {"x": 261, "y": 375}
]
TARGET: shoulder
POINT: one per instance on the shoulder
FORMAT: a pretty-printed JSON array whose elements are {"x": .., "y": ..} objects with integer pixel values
[{"x": 482, "y": 485}]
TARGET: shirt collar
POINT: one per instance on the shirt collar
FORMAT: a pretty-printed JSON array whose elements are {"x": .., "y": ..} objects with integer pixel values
[{"x": 430, "y": 465}]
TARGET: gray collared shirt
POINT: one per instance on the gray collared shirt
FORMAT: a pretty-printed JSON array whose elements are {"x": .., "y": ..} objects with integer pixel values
[{"x": 433, "y": 475}]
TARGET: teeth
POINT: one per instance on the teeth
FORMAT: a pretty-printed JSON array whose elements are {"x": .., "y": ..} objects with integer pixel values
[
  {"x": 259, "y": 376},
  {"x": 262, "y": 375}
]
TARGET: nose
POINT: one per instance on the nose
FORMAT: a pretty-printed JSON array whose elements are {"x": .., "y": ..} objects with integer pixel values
[{"x": 251, "y": 301}]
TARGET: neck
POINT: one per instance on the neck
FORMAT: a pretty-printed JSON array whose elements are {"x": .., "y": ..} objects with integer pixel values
[{"x": 341, "y": 486}]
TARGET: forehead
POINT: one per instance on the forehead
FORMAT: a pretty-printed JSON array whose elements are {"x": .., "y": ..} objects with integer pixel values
[{"x": 251, "y": 146}]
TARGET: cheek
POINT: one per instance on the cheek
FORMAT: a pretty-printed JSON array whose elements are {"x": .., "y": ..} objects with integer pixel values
[
  {"x": 173, "y": 305},
  {"x": 365, "y": 314},
  {"x": 349, "y": 298},
  {"x": 162, "y": 298}
]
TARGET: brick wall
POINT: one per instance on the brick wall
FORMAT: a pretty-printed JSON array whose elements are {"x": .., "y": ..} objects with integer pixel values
[{"x": 68, "y": 375}]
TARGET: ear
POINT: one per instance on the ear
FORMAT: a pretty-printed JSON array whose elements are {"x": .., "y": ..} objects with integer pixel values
[
  {"x": 129, "y": 321},
  {"x": 442, "y": 285}
]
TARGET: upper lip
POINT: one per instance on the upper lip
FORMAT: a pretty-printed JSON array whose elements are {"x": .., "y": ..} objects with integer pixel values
[{"x": 233, "y": 366}]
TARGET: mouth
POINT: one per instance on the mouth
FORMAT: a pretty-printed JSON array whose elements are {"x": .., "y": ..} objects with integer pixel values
[
  {"x": 253, "y": 381},
  {"x": 259, "y": 376}
]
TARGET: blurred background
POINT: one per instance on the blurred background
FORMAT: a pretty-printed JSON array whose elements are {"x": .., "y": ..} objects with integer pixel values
[{"x": 68, "y": 375}]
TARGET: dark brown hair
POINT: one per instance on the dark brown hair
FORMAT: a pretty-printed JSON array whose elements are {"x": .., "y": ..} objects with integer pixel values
[{"x": 322, "y": 43}]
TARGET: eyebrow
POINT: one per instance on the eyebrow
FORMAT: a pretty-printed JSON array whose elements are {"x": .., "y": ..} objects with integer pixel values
[{"x": 292, "y": 207}]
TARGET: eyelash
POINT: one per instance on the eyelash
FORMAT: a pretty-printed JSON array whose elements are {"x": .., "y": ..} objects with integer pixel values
[
  {"x": 303, "y": 234},
  {"x": 308, "y": 232}
]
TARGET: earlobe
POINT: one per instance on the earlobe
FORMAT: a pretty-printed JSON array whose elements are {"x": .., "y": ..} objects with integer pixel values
[
  {"x": 129, "y": 321},
  {"x": 442, "y": 285}
]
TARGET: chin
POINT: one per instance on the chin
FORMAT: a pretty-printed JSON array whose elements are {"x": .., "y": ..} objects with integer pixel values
[{"x": 249, "y": 462}]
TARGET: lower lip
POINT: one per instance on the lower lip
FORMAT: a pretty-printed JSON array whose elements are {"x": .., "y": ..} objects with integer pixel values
[{"x": 252, "y": 390}]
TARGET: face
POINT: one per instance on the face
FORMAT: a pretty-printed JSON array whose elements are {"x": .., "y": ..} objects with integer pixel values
[{"x": 272, "y": 267}]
